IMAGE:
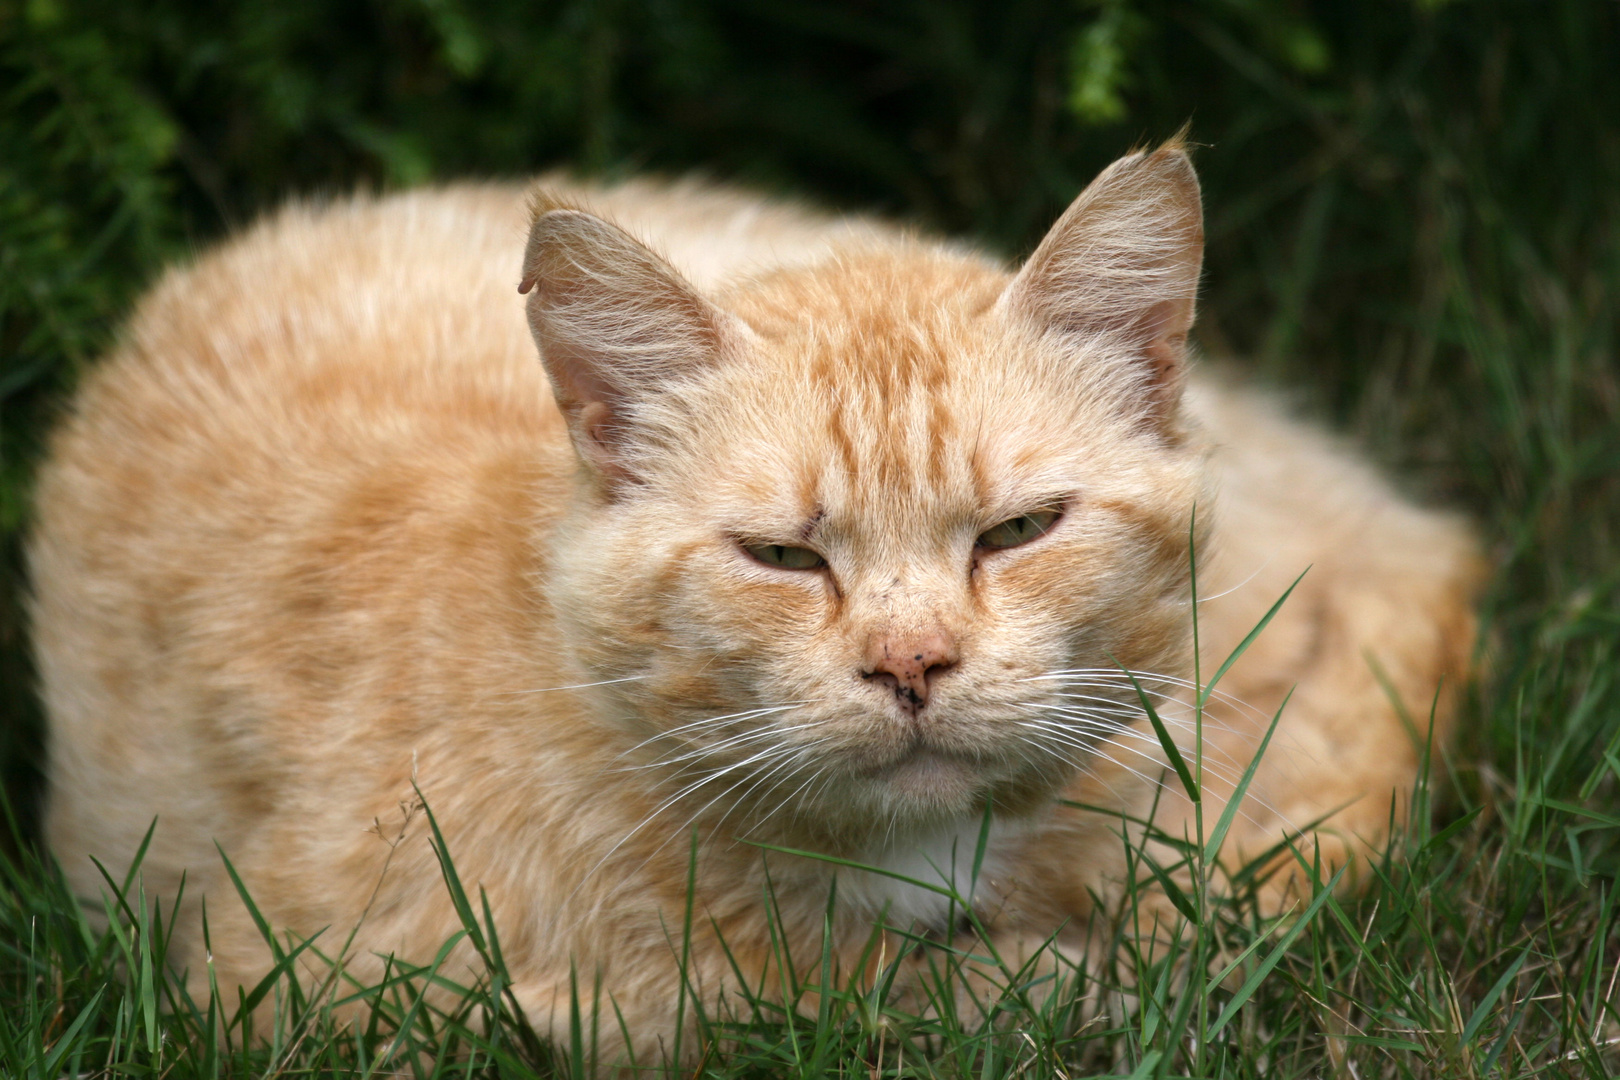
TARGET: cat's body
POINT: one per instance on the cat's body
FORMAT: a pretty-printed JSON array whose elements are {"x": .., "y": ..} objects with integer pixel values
[{"x": 317, "y": 532}]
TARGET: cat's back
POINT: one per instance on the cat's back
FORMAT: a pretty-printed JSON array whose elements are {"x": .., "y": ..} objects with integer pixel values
[
  {"x": 408, "y": 300},
  {"x": 330, "y": 353},
  {"x": 323, "y": 322},
  {"x": 289, "y": 427}
]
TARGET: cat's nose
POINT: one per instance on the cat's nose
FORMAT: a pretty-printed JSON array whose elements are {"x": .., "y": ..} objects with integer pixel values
[{"x": 908, "y": 664}]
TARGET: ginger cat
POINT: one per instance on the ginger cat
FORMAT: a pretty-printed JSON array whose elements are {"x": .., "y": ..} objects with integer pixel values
[{"x": 800, "y": 532}]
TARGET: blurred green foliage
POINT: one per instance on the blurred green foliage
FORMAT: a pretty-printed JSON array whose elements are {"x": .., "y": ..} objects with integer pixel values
[{"x": 1414, "y": 204}]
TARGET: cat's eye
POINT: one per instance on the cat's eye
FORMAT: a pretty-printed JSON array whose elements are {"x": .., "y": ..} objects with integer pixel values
[
  {"x": 1019, "y": 530},
  {"x": 788, "y": 558}
]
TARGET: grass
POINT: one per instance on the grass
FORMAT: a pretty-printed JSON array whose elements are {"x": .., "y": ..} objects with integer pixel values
[{"x": 1414, "y": 225}]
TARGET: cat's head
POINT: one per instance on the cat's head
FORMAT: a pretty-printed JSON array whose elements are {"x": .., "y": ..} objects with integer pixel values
[{"x": 847, "y": 533}]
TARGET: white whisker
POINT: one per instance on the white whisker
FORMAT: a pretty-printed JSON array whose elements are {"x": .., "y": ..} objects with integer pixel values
[
  {"x": 1111, "y": 739},
  {"x": 1091, "y": 722},
  {"x": 1239, "y": 585},
  {"x": 1162, "y": 782},
  {"x": 710, "y": 721},
  {"x": 708, "y": 750},
  {"x": 1116, "y": 677},
  {"x": 576, "y": 686}
]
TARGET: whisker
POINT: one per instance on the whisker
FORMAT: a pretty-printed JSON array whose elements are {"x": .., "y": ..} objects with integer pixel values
[
  {"x": 710, "y": 750},
  {"x": 736, "y": 717},
  {"x": 672, "y": 800},
  {"x": 1239, "y": 585},
  {"x": 575, "y": 686},
  {"x": 815, "y": 775},
  {"x": 1121, "y": 717},
  {"x": 1163, "y": 783},
  {"x": 765, "y": 767},
  {"x": 1211, "y": 751},
  {"x": 1118, "y": 677},
  {"x": 791, "y": 754},
  {"x": 796, "y": 757},
  {"x": 1112, "y": 736}
]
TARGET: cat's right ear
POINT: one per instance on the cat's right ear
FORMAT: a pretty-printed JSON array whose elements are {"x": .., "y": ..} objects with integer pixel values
[
  {"x": 616, "y": 326},
  {"x": 1121, "y": 265}
]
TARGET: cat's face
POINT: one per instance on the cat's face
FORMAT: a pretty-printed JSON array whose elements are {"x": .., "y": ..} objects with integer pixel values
[{"x": 844, "y": 562}]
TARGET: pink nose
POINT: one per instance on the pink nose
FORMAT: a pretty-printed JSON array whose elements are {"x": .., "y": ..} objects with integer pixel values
[{"x": 909, "y": 663}]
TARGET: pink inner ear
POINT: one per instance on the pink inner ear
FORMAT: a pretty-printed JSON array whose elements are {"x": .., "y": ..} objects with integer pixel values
[
  {"x": 587, "y": 400},
  {"x": 616, "y": 325},
  {"x": 1163, "y": 333},
  {"x": 598, "y": 434},
  {"x": 1123, "y": 263}
]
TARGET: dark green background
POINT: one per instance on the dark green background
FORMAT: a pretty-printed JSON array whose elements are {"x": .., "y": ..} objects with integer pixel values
[{"x": 1413, "y": 206}]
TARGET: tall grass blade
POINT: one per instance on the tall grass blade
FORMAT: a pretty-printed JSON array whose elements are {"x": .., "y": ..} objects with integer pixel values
[
  {"x": 1248, "y": 639},
  {"x": 1223, "y": 824},
  {"x": 1171, "y": 751},
  {"x": 1252, "y": 983}
]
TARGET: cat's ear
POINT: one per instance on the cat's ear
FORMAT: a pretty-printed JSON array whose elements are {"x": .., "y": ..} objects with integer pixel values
[
  {"x": 1122, "y": 263},
  {"x": 616, "y": 326}
]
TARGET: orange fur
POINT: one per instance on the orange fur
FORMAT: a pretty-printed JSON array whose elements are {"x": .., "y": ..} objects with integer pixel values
[{"x": 316, "y": 532}]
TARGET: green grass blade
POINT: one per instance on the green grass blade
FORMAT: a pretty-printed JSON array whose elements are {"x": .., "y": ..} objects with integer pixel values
[
  {"x": 1173, "y": 892},
  {"x": 452, "y": 880},
  {"x": 1148, "y": 1066},
  {"x": 1171, "y": 751},
  {"x": 1482, "y": 1011},
  {"x": 1223, "y": 824},
  {"x": 258, "y": 918},
  {"x": 940, "y": 890},
  {"x": 50, "y": 1066},
  {"x": 283, "y": 968},
  {"x": 1248, "y": 639},
  {"x": 1489, "y": 1064},
  {"x": 1256, "y": 977}
]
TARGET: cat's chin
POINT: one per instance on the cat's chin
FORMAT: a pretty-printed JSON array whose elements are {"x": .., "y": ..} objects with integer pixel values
[{"x": 930, "y": 780}]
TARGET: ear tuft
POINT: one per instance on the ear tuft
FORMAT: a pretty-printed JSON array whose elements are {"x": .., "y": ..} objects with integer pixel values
[
  {"x": 1122, "y": 263},
  {"x": 616, "y": 326}
]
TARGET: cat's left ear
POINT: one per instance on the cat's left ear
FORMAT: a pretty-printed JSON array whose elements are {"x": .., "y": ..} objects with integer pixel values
[
  {"x": 617, "y": 327},
  {"x": 1121, "y": 265}
]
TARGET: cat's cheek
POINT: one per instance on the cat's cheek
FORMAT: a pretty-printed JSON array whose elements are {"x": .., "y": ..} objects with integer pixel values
[
  {"x": 784, "y": 601},
  {"x": 1039, "y": 585},
  {"x": 1075, "y": 605},
  {"x": 765, "y": 625}
]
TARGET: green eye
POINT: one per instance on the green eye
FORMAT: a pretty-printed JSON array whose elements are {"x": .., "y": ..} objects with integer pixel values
[
  {"x": 788, "y": 558},
  {"x": 1018, "y": 530}
]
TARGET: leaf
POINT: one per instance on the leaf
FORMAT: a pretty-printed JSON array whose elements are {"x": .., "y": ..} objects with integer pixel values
[{"x": 1243, "y": 646}]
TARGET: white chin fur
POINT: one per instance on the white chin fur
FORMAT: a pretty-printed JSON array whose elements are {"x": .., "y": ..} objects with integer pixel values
[{"x": 941, "y": 856}]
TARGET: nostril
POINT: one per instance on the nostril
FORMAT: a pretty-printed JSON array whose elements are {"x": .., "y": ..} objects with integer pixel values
[
  {"x": 882, "y": 678},
  {"x": 934, "y": 671}
]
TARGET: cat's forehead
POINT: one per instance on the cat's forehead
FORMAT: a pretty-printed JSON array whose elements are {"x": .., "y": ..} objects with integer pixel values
[
  {"x": 883, "y": 295},
  {"x": 869, "y": 337},
  {"x": 888, "y": 388}
]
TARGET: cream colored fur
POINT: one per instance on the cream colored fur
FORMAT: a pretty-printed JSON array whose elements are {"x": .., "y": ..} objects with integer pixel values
[{"x": 316, "y": 533}]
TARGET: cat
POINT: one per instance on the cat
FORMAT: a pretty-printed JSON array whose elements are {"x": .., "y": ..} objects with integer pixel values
[{"x": 802, "y": 533}]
